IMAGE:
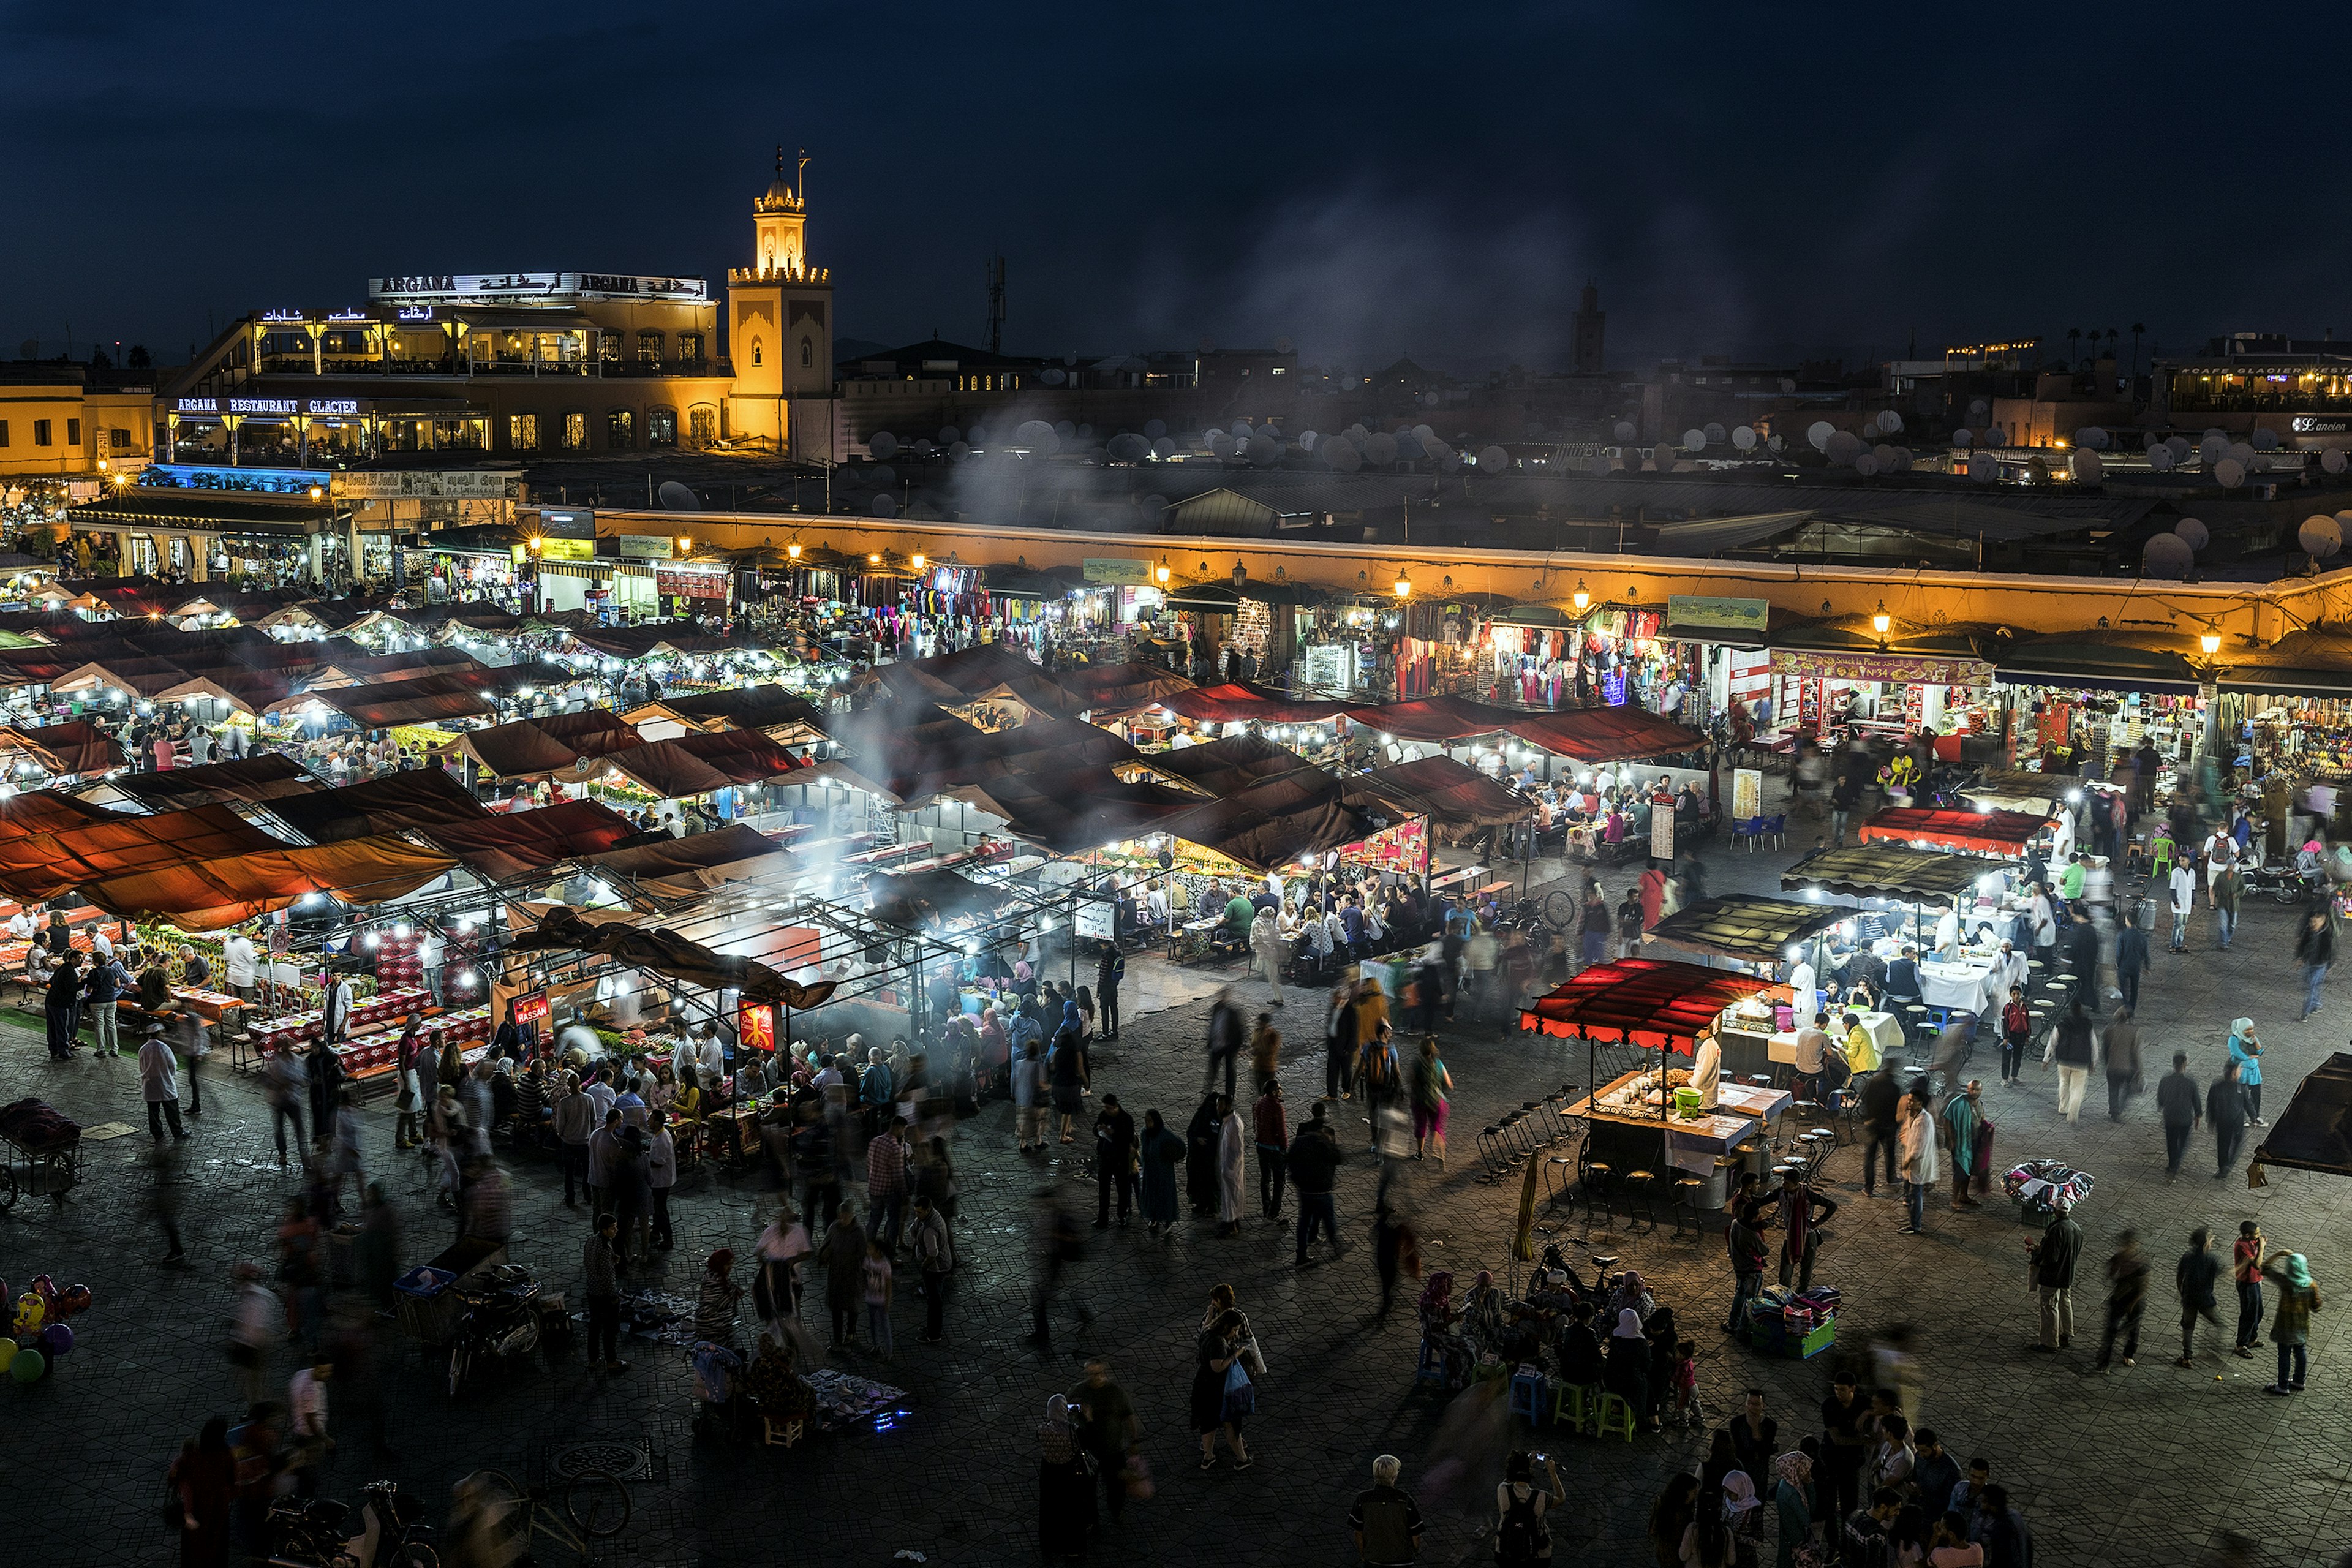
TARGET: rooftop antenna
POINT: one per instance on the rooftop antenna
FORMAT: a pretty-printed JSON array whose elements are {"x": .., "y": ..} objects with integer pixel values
[
  {"x": 800, "y": 174},
  {"x": 995, "y": 271}
]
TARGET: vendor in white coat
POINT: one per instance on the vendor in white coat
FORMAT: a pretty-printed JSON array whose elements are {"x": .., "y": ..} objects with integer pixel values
[
  {"x": 1706, "y": 1072},
  {"x": 1804, "y": 990}
]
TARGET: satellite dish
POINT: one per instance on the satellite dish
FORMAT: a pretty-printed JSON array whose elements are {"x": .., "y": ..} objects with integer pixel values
[
  {"x": 884, "y": 475},
  {"x": 959, "y": 450},
  {"x": 1265, "y": 450},
  {"x": 1493, "y": 460},
  {"x": 1064, "y": 429},
  {"x": 1744, "y": 438},
  {"x": 882, "y": 444},
  {"x": 2159, "y": 457},
  {"x": 2332, "y": 460},
  {"x": 2087, "y": 467},
  {"x": 2193, "y": 533},
  {"x": 1844, "y": 446},
  {"x": 1162, "y": 447},
  {"x": 2266, "y": 441},
  {"x": 2230, "y": 473},
  {"x": 2214, "y": 433},
  {"x": 1126, "y": 448},
  {"x": 1380, "y": 449},
  {"x": 1051, "y": 377},
  {"x": 1243, "y": 429},
  {"x": 1778, "y": 442},
  {"x": 1435, "y": 449},
  {"x": 1866, "y": 465},
  {"x": 1155, "y": 429},
  {"x": 1306, "y": 439},
  {"x": 1662, "y": 459},
  {"x": 1984, "y": 468},
  {"x": 1341, "y": 454},
  {"x": 1037, "y": 435},
  {"x": 977, "y": 435},
  {"x": 1888, "y": 457},
  {"x": 1978, "y": 408},
  {"x": 1070, "y": 358},
  {"x": 1357, "y": 433},
  {"x": 2085, "y": 436},
  {"x": 676, "y": 497},
  {"x": 1694, "y": 441},
  {"x": 2321, "y": 536},
  {"x": 2344, "y": 521},
  {"x": 2166, "y": 555},
  {"x": 1819, "y": 434},
  {"x": 1220, "y": 444},
  {"x": 1716, "y": 434},
  {"x": 2180, "y": 448},
  {"x": 1902, "y": 460},
  {"x": 1624, "y": 432},
  {"x": 1996, "y": 436},
  {"x": 1285, "y": 346},
  {"x": 923, "y": 447},
  {"x": 886, "y": 506},
  {"x": 1889, "y": 422},
  {"x": 950, "y": 434},
  {"x": 1424, "y": 432},
  {"x": 2243, "y": 454},
  {"x": 2212, "y": 446},
  {"x": 1961, "y": 438}
]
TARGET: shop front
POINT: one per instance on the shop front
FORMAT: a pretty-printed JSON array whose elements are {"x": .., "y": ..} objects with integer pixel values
[
  {"x": 1849, "y": 677},
  {"x": 2080, "y": 702}
]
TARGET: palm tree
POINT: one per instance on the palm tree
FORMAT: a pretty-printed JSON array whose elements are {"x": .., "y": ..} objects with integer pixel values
[
  {"x": 2112, "y": 335},
  {"x": 2136, "y": 330},
  {"x": 2073, "y": 342}
]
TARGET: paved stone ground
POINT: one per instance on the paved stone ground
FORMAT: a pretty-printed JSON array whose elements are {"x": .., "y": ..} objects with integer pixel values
[{"x": 2145, "y": 1467}]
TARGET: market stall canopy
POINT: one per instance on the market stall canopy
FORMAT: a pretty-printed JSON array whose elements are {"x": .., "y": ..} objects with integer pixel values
[
  {"x": 674, "y": 868},
  {"x": 1243, "y": 702},
  {"x": 920, "y": 899},
  {"x": 764, "y": 707},
  {"x": 46, "y": 811},
  {"x": 1452, "y": 794},
  {"x": 1746, "y": 926},
  {"x": 426, "y": 698},
  {"x": 74, "y": 747},
  {"x": 650, "y": 639},
  {"x": 43, "y": 864},
  {"x": 266, "y": 777},
  {"x": 2144, "y": 661},
  {"x": 1437, "y": 719},
  {"x": 666, "y": 952},
  {"x": 1109, "y": 690},
  {"x": 501, "y": 848},
  {"x": 1657, "y": 1003},
  {"x": 1077, "y": 810},
  {"x": 1224, "y": 765},
  {"x": 564, "y": 744},
  {"x": 410, "y": 801},
  {"x": 700, "y": 761},
  {"x": 205, "y": 894},
  {"x": 2311, "y": 661},
  {"x": 1275, "y": 821},
  {"x": 1977, "y": 832},
  {"x": 1598, "y": 735},
  {"x": 925, "y": 752},
  {"x": 1897, "y": 872},
  {"x": 2314, "y": 1131},
  {"x": 360, "y": 669}
]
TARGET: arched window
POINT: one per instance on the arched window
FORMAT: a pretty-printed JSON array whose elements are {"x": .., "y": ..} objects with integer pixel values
[
  {"x": 808, "y": 353},
  {"x": 755, "y": 351}
]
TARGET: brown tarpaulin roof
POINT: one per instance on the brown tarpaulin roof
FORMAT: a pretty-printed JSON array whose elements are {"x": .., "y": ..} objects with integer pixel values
[
  {"x": 1233, "y": 762},
  {"x": 1744, "y": 925},
  {"x": 1897, "y": 872},
  {"x": 680, "y": 868},
  {"x": 558, "y": 743},
  {"x": 1107, "y": 690},
  {"x": 2314, "y": 1131},
  {"x": 1454, "y": 796},
  {"x": 1077, "y": 810},
  {"x": 1437, "y": 719},
  {"x": 421, "y": 699},
  {"x": 207, "y": 894},
  {"x": 266, "y": 777},
  {"x": 43, "y": 865},
  {"x": 699, "y": 764},
  {"x": 666, "y": 952},
  {"x": 46, "y": 811},
  {"x": 764, "y": 707},
  {"x": 75, "y": 746},
  {"x": 1275, "y": 821},
  {"x": 498, "y": 848},
  {"x": 1594, "y": 735},
  {"x": 412, "y": 801},
  {"x": 917, "y": 899}
]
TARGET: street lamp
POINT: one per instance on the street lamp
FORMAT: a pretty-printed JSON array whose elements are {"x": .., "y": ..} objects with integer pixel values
[
  {"x": 1579, "y": 598},
  {"x": 1882, "y": 620},
  {"x": 2210, "y": 642},
  {"x": 917, "y": 560},
  {"x": 684, "y": 543},
  {"x": 1404, "y": 586}
]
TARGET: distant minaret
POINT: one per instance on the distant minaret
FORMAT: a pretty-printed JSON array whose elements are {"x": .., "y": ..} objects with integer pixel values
[{"x": 1591, "y": 322}]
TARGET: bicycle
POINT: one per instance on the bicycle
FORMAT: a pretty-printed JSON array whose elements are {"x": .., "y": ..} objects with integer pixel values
[{"x": 594, "y": 1506}]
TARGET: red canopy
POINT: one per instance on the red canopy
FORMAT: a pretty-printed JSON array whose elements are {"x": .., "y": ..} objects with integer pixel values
[
  {"x": 205, "y": 894},
  {"x": 1653, "y": 1003},
  {"x": 263, "y": 777},
  {"x": 1594, "y": 735},
  {"x": 1438, "y": 718},
  {"x": 1238, "y": 703},
  {"x": 43, "y": 865},
  {"x": 396, "y": 803},
  {"x": 1975, "y": 832},
  {"x": 419, "y": 700},
  {"x": 699, "y": 763}
]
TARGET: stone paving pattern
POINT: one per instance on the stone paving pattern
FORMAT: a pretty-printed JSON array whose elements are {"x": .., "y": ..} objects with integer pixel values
[{"x": 2144, "y": 1467}]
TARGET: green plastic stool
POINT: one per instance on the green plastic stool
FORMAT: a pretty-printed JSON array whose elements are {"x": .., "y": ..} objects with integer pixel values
[
  {"x": 1616, "y": 1416},
  {"x": 1574, "y": 1405}
]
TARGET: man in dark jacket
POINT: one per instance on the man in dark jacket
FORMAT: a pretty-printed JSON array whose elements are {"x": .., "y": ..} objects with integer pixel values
[
  {"x": 1114, "y": 1161},
  {"x": 1880, "y": 1096},
  {"x": 2131, "y": 954},
  {"x": 2225, "y": 1108},
  {"x": 2315, "y": 949},
  {"x": 2054, "y": 1256},
  {"x": 2183, "y": 1109},
  {"x": 1313, "y": 1164},
  {"x": 2127, "y": 1299},
  {"x": 2193, "y": 1277},
  {"x": 2083, "y": 947}
]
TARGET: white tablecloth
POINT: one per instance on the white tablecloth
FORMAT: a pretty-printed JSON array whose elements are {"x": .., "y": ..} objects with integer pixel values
[
  {"x": 1963, "y": 985},
  {"x": 1886, "y": 1032}
]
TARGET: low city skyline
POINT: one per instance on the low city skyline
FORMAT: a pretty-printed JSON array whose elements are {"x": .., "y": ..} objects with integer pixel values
[{"x": 1825, "y": 190}]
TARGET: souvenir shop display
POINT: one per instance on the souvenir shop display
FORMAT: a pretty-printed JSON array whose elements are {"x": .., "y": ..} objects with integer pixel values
[
  {"x": 1798, "y": 1325},
  {"x": 2036, "y": 1186}
]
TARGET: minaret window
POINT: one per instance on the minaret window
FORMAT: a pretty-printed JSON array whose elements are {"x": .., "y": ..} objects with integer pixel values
[{"x": 808, "y": 353}]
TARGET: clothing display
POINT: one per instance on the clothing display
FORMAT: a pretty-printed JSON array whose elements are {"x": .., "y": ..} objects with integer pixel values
[{"x": 2039, "y": 1184}]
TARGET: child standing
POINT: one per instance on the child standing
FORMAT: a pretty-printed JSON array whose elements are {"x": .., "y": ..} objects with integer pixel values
[
  {"x": 2016, "y": 1030},
  {"x": 1686, "y": 1385},
  {"x": 878, "y": 1297},
  {"x": 2246, "y": 1269}
]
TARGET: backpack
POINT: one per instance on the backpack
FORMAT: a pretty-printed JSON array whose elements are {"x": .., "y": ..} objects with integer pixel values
[{"x": 1522, "y": 1536}]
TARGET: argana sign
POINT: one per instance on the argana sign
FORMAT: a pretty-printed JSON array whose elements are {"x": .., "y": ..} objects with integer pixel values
[{"x": 505, "y": 287}]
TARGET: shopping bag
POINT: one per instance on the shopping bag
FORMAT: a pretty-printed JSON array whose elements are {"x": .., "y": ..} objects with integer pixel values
[{"x": 1240, "y": 1395}]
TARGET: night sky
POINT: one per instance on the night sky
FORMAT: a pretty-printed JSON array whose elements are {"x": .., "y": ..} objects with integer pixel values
[{"x": 1367, "y": 180}]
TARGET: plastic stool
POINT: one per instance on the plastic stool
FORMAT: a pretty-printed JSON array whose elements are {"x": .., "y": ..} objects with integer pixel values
[
  {"x": 1432, "y": 1368},
  {"x": 1527, "y": 1394},
  {"x": 1574, "y": 1405},
  {"x": 1616, "y": 1416}
]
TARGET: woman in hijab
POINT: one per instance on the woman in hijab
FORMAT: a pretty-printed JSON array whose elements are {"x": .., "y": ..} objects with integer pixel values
[
  {"x": 716, "y": 1301},
  {"x": 1201, "y": 1140},
  {"x": 781, "y": 1393},
  {"x": 1440, "y": 1327},
  {"x": 1157, "y": 1152},
  {"x": 1793, "y": 1500},
  {"x": 2298, "y": 1297},
  {"x": 1066, "y": 1489},
  {"x": 204, "y": 1484},
  {"x": 1630, "y": 1293},
  {"x": 2246, "y": 1050},
  {"x": 1482, "y": 1315},
  {"x": 1626, "y": 1372},
  {"x": 1067, "y": 1067}
]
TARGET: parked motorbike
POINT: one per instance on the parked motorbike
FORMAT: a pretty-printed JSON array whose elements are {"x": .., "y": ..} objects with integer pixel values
[
  {"x": 502, "y": 1321},
  {"x": 2281, "y": 881},
  {"x": 310, "y": 1533}
]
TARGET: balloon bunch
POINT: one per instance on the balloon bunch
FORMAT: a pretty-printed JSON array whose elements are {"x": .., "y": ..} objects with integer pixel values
[{"x": 40, "y": 1336}]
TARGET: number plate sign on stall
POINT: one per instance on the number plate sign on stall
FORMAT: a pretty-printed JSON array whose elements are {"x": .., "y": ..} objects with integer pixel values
[
  {"x": 755, "y": 1026},
  {"x": 1746, "y": 793},
  {"x": 690, "y": 585},
  {"x": 1662, "y": 833},
  {"x": 1097, "y": 919},
  {"x": 1117, "y": 569}
]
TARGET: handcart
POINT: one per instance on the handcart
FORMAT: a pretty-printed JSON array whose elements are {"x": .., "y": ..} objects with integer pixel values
[{"x": 42, "y": 1150}]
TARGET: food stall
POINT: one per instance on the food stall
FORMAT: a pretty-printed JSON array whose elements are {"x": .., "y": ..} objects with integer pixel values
[
  {"x": 1901, "y": 876},
  {"x": 1754, "y": 933},
  {"x": 1649, "y": 1118},
  {"x": 1907, "y": 678}
]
